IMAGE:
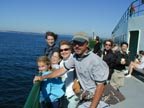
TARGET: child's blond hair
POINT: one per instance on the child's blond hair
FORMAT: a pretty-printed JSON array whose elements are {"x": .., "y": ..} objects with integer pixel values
[{"x": 45, "y": 60}]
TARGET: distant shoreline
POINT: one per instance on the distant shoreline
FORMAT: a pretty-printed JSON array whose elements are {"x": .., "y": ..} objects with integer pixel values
[
  {"x": 32, "y": 33},
  {"x": 19, "y": 32}
]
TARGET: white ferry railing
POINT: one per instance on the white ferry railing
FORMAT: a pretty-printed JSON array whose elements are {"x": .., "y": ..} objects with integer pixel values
[{"x": 136, "y": 8}]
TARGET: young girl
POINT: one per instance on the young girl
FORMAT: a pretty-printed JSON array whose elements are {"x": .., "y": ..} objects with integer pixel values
[
  {"x": 51, "y": 89},
  {"x": 55, "y": 60}
]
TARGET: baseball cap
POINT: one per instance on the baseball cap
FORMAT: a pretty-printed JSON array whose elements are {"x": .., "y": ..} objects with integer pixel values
[{"x": 81, "y": 37}]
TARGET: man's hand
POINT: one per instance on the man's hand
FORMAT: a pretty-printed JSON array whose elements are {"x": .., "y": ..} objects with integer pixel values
[{"x": 97, "y": 96}]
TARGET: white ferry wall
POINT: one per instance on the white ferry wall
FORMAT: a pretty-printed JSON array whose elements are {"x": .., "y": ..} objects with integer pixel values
[
  {"x": 136, "y": 34},
  {"x": 132, "y": 32}
]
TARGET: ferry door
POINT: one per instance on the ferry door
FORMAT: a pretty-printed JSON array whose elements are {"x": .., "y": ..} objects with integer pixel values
[{"x": 133, "y": 44}]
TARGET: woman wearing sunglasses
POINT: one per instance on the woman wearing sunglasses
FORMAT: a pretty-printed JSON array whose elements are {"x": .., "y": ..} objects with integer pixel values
[{"x": 68, "y": 78}]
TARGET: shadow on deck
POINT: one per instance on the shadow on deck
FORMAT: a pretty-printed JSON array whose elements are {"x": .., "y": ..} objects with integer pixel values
[
  {"x": 134, "y": 93},
  {"x": 139, "y": 75}
]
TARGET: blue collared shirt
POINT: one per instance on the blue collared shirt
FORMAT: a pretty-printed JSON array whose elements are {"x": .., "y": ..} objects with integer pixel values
[{"x": 51, "y": 89}]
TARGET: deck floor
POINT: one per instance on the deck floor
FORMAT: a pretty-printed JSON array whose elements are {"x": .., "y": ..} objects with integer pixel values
[{"x": 134, "y": 93}]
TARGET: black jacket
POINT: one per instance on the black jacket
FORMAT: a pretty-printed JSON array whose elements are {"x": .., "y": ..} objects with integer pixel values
[
  {"x": 50, "y": 49},
  {"x": 97, "y": 49},
  {"x": 118, "y": 56},
  {"x": 108, "y": 57}
]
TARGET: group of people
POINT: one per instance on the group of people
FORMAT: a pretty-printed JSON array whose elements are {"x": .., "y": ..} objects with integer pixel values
[
  {"x": 73, "y": 76},
  {"x": 75, "y": 61},
  {"x": 117, "y": 59},
  {"x": 55, "y": 91}
]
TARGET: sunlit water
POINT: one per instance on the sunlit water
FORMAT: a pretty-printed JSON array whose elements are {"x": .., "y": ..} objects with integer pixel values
[{"x": 18, "y": 53}]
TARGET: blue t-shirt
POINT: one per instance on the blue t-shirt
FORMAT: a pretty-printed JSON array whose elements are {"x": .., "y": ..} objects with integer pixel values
[{"x": 51, "y": 89}]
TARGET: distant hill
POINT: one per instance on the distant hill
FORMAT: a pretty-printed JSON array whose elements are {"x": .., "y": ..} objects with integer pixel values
[
  {"x": 19, "y": 32},
  {"x": 32, "y": 33}
]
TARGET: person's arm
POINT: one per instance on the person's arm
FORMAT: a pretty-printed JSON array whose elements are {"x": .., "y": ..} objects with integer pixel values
[
  {"x": 99, "y": 74},
  {"x": 97, "y": 96},
  {"x": 54, "y": 74}
]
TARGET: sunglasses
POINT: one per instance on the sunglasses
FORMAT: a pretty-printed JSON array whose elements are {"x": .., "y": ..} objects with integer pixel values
[
  {"x": 66, "y": 49},
  {"x": 78, "y": 43}
]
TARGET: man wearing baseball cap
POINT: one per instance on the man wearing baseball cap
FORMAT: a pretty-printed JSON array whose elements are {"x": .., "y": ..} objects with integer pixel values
[{"x": 92, "y": 72}]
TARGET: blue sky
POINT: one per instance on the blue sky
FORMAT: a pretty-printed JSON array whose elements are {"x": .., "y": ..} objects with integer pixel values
[{"x": 62, "y": 16}]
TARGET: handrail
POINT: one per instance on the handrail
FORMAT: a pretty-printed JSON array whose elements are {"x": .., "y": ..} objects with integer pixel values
[{"x": 136, "y": 8}]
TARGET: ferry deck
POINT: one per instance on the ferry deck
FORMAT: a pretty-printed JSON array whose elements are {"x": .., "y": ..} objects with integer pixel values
[{"x": 133, "y": 92}]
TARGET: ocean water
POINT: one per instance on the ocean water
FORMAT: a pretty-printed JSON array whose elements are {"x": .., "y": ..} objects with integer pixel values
[{"x": 18, "y": 53}]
